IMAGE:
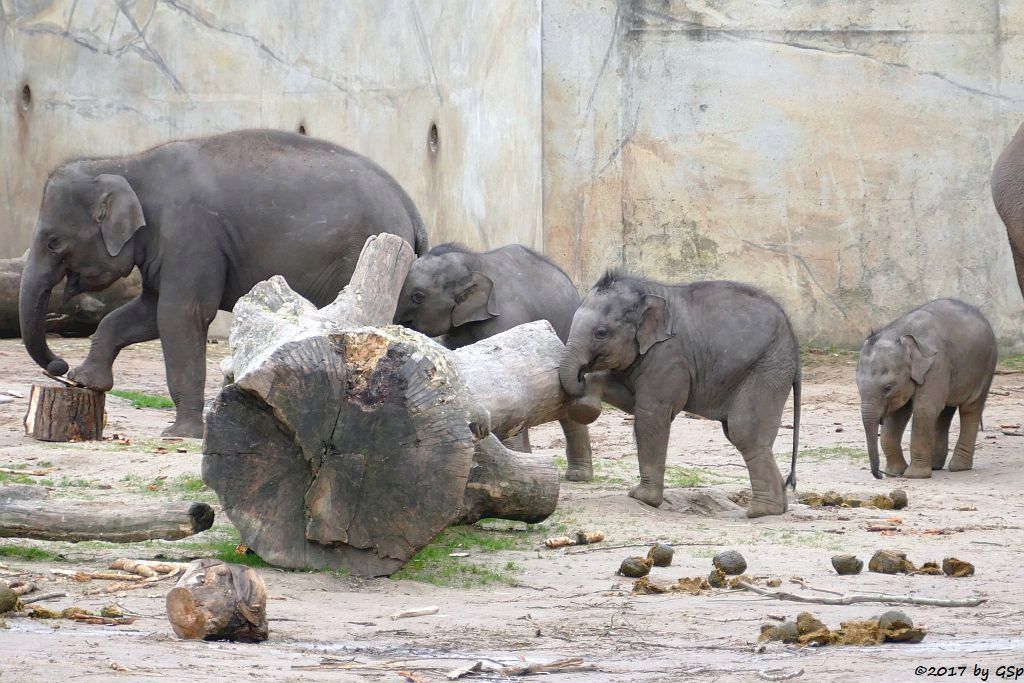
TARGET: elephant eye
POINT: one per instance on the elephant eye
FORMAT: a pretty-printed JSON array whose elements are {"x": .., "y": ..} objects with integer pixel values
[
  {"x": 417, "y": 297},
  {"x": 887, "y": 388},
  {"x": 601, "y": 333},
  {"x": 53, "y": 243}
]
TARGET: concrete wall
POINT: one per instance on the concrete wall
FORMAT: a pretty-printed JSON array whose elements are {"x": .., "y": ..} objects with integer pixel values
[
  {"x": 108, "y": 77},
  {"x": 835, "y": 153}
]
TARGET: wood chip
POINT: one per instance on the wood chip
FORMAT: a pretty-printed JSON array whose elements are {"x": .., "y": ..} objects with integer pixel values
[
  {"x": 458, "y": 673},
  {"x": 419, "y": 612}
]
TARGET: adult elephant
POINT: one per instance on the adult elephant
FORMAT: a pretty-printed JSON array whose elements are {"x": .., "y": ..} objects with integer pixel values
[
  {"x": 204, "y": 220},
  {"x": 1008, "y": 195}
]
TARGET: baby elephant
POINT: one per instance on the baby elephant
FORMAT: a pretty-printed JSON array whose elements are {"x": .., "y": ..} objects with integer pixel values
[
  {"x": 465, "y": 296},
  {"x": 722, "y": 350},
  {"x": 933, "y": 360}
]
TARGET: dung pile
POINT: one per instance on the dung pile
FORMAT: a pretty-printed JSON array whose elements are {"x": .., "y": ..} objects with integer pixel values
[
  {"x": 896, "y": 562},
  {"x": 891, "y": 627},
  {"x": 895, "y": 500}
]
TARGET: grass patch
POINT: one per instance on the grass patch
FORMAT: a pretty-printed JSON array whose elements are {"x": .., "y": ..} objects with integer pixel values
[
  {"x": 225, "y": 550},
  {"x": 68, "y": 482},
  {"x": 434, "y": 564},
  {"x": 141, "y": 400},
  {"x": 29, "y": 553},
  {"x": 186, "y": 483},
  {"x": 834, "y": 453},
  {"x": 6, "y": 478},
  {"x": 1013, "y": 362},
  {"x": 827, "y": 355}
]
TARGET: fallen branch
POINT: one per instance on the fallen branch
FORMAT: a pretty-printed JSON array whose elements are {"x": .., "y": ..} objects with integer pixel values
[
  {"x": 571, "y": 664},
  {"x": 852, "y": 598},
  {"x": 639, "y": 545},
  {"x": 803, "y": 584},
  {"x": 43, "y": 596}
]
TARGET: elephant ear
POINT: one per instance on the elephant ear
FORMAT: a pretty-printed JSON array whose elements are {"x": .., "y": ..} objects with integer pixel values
[
  {"x": 921, "y": 357},
  {"x": 655, "y": 322},
  {"x": 118, "y": 212},
  {"x": 475, "y": 302}
]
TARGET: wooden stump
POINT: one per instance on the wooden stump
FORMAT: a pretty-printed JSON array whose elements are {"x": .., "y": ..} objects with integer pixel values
[
  {"x": 77, "y": 317},
  {"x": 215, "y": 600},
  {"x": 347, "y": 446},
  {"x": 63, "y": 413}
]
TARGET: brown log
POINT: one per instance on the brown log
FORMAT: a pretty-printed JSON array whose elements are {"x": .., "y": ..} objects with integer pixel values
[
  {"x": 347, "y": 446},
  {"x": 215, "y": 600},
  {"x": 80, "y": 521},
  {"x": 63, "y": 413},
  {"x": 77, "y": 317}
]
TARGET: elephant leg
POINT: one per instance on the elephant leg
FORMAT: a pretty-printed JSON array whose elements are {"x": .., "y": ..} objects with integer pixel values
[
  {"x": 520, "y": 442},
  {"x": 577, "y": 451},
  {"x": 970, "y": 421},
  {"x": 892, "y": 440},
  {"x": 753, "y": 423},
  {"x": 923, "y": 434},
  {"x": 942, "y": 437},
  {"x": 183, "y": 325},
  {"x": 130, "y": 324},
  {"x": 651, "y": 426}
]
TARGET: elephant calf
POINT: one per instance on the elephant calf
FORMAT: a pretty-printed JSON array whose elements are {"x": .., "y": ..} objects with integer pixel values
[
  {"x": 465, "y": 296},
  {"x": 722, "y": 350},
  {"x": 935, "y": 359}
]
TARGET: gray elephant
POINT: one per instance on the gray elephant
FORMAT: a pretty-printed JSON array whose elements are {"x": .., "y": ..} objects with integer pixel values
[
  {"x": 1008, "y": 196},
  {"x": 465, "y": 296},
  {"x": 204, "y": 220},
  {"x": 722, "y": 350},
  {"x": 926, "y": 364}
]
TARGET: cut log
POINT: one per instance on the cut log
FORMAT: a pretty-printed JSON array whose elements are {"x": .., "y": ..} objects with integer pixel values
[
  {"x": 77, "y": 317},
  {"x": 63, "y": 413},
  {"x": 46, "y": 520},
  {"x": 346, "y": 446},
  {"x": 215, "y": 600}
]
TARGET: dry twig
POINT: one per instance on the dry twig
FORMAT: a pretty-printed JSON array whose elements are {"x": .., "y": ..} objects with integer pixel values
[
  {"x": 43, "y": 596},
  {"x": 852, "y": 598}
]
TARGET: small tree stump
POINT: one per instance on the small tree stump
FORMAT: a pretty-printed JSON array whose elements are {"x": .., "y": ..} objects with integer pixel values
[
  {"x": 63, "y": 413},
  {"x": 214, "y": 600}
]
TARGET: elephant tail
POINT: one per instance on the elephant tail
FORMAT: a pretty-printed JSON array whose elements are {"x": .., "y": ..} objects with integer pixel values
[
  {"x": 791, "y": 479},
  {"x": 421, "y": 245}
]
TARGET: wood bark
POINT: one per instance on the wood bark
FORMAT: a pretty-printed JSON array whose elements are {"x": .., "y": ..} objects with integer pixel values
[
  {"x": 346, "y": 446},
  {"x": 215, "y": 600},
  {"x": 77, "y": 317},
  {"x": 22, "y": 516},
  {"x": 63, "y": 413}
]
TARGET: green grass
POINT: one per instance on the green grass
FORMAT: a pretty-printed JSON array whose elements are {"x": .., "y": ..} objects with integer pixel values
[
  {"x": 67, "y": 482},
  {"x": 6, "y": 478},
  {"x": 29, "y": 553},
  {"x": 434, "y": 565},
  {"x": 140, "y": 400},
  {"x": 829, "y": 355},
  {"x": 225, "y": 550},
  {"x": 834, "y": 453},
  {"x": 1013, "y": 362},
  {"x": 186, "y": 483}
]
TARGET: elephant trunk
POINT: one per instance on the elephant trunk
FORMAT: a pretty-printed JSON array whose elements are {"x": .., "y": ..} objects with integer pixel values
[
  {"x": 574, "y": 359},
  {"x": 870, "y": 417},
  {"x": 37, "y": 281}
]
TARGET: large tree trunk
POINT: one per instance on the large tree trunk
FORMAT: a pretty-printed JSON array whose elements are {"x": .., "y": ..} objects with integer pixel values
[
  {"x": 214, "y": 600},
  {"x": 26, "y": 512},
  {"x": 75, "y": 318},
  {"x": 347, "y": 446},
  {"x": 63, "y": 413}
]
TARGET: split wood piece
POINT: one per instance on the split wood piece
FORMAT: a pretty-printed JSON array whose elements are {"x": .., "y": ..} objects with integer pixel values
[
  {"x": 77, "y": 317},
  {"x": 853, "y": 598},
  {"x": 215, "y": 600},
  {"x": 63, "y": 413},
  {"x": 345, "y": 446},
  {"x": 149, "y": 568},
  {"x": 79, "y": 521}
]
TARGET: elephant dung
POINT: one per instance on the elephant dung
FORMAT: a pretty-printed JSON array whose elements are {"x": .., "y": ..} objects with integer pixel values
[
  {"x": 899, "y": 499},
  {"x": 635, "y": 567},
  {"x": 890, "y": 562},
  {"x": 8, "y": 599},
  {"x": 716, "y": 579},
  {"x": 587, "y": 537},
  {"x": 951, "y": 566},
  {"x": 644, "y": 586},
  {"x": 930, "y": 569},
  {"x": 787, "y": 632},
  {"x": 847, "y": 564},
  {"x": 730, "y": 562},
  {"x": 692, "y": 585},
  {"x": 882, "y": 502},
  {"x": 661, "y": 554},
  {"x": 812, "y": 631},
  {"x": 896, "y": 626}
]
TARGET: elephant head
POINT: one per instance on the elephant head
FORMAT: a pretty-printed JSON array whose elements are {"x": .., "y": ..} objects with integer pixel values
[
  {"x": 445, "y": 289},
  {"x": 85, "y": 224},
  {"x": 617, "y": 322},
  {"x": 890, "y": 369}
]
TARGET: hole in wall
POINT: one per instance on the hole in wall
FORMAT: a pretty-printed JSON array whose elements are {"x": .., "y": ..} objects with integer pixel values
[
  {"x": 26, "y": 97},
  {"x": 432, "y": 139},
  {"x": 302, "y": 129}
]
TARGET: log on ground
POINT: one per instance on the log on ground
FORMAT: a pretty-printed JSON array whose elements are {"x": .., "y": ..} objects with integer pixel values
[
  {"x": 74, "y": 521},
  {"x": 64, "y": 413},
  {"x": 215, "y": 600}
]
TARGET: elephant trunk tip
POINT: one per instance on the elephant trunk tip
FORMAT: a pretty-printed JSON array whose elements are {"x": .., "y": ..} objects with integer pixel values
[
  {"x": 57, "y": 367},
  {"x": 877, "y": 473}
]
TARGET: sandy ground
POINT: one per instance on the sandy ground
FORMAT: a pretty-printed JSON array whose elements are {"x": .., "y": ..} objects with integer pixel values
[{"x": 562, "y": 603}]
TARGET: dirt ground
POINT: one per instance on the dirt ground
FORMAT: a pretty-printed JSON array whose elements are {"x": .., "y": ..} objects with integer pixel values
[{"x": 523, "y": 602}]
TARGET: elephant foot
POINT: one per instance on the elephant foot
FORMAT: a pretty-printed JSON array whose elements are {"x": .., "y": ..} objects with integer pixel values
[
  {"x": 763, "y": 508},
  {"x": 579, "y": 473},
  {"x": 938, "y": 461},
  {"x": 918, "y": 472},
  {"x": 648, "y": 494},
  {"x": 93, "y": 376},
  {"x": 960, "y": 463},
  {"x": 895, "y": 469},
  {"x": 189, "y": 428}
]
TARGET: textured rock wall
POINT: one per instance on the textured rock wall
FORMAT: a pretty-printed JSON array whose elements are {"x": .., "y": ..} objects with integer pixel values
[
  {"x": 836, "y": 154},
  {"x": 105, "y": 77}
]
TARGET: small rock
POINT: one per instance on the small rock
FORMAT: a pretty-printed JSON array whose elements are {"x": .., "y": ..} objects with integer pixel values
[
  {"x": 730, "y": 562},
  {"x": 894, "y": 618},
  {"x": 899, "y": 499},
  {"x": 716, "y": 578},
  {"x": 661, "y": 554},
  {"x": 951, "y": 566},
  {"x": 847, "y": 564},
  {"x": 889, "y": 562},
  {"x": 635, "y": 567}
]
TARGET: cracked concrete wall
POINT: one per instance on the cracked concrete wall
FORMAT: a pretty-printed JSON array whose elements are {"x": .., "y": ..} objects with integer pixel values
[
  {"x": 836, "y": 154},
  {"x": 107, "y": 77}
]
